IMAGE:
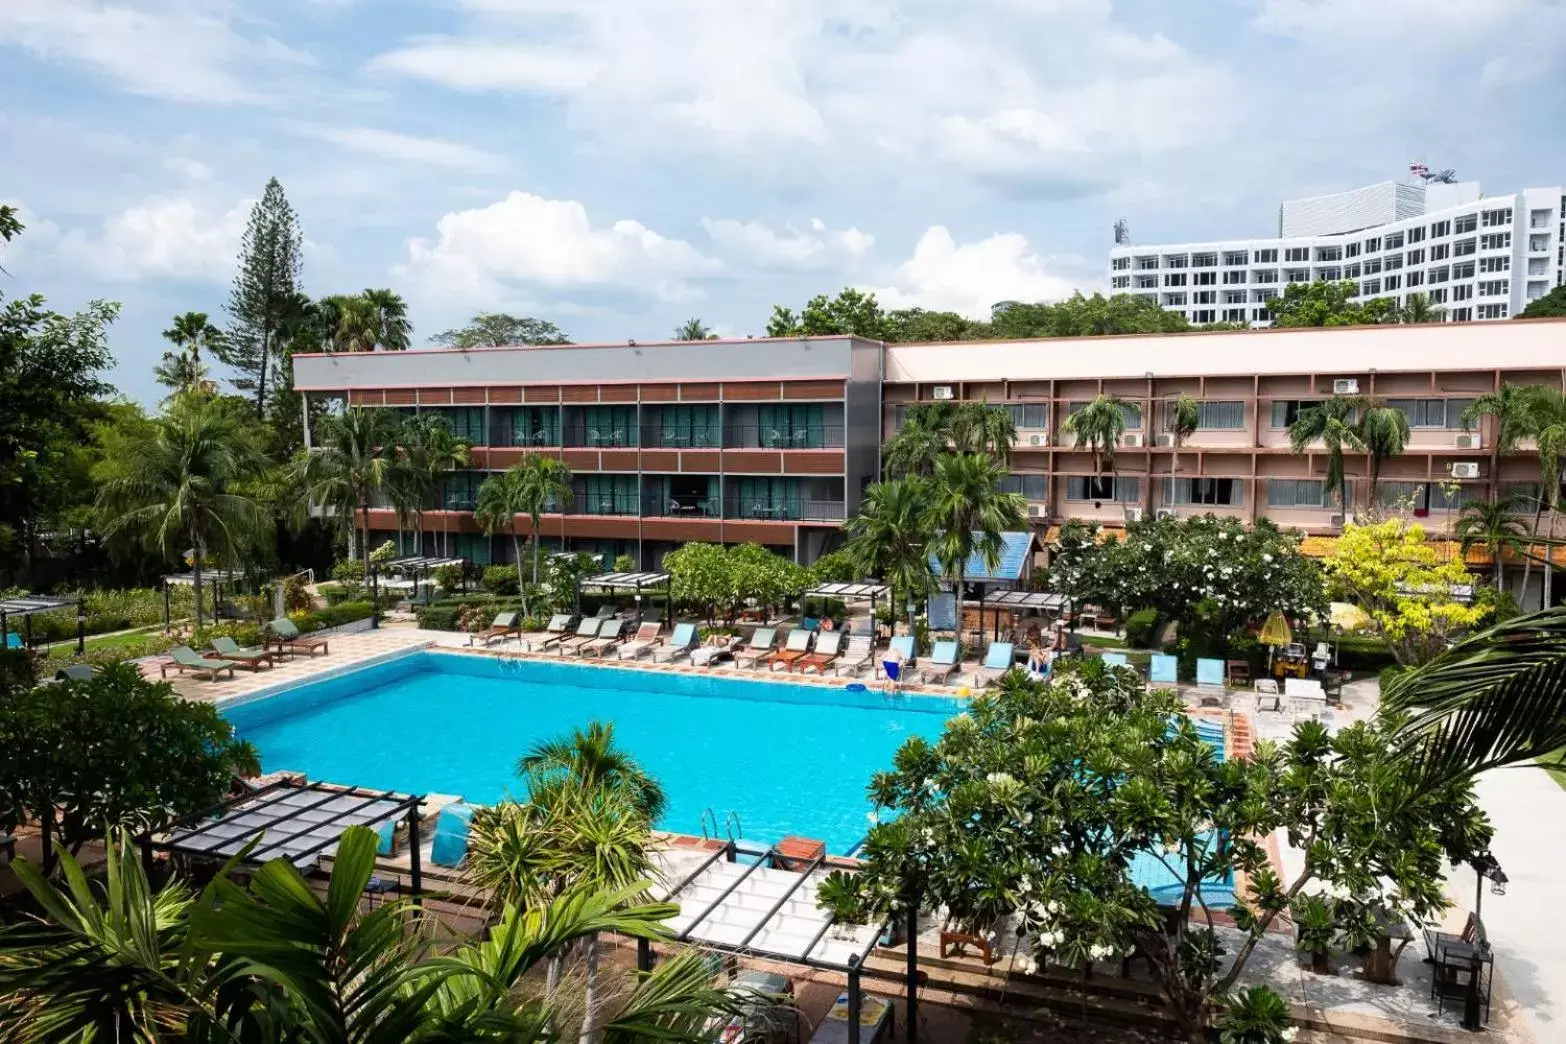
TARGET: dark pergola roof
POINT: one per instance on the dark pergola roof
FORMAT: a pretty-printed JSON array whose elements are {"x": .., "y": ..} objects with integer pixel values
[
  {"x": 864, "y": 590},
  {"x": 418, "y": 563},
  {"x": 632, "y": 581},
  {"x": 26, "y": 605},
  {"x": 295, "y": 820}
]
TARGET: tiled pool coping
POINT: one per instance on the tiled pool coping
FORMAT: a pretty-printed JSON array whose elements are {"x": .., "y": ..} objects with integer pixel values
[{"x": 334, "y": 671}]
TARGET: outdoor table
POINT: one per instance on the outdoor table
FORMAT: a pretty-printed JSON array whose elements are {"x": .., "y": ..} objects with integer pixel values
[{"x": 1381, "y": 962}]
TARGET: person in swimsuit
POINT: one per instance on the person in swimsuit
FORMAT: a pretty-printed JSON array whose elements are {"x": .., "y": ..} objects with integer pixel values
[{"x": 892, "y": 667}]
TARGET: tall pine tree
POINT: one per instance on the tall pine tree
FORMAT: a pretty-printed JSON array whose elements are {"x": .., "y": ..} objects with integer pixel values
[{"x": 266, "y": 287}]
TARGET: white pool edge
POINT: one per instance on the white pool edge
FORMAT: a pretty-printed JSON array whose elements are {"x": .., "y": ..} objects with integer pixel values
[{"x": 239, "y": 699}]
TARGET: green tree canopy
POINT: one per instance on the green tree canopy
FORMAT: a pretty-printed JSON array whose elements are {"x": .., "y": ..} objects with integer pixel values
[
  {"x": 266, "y": 286},
  {"x": 693, "y": 329},
  {"x": 1324, "y": 303},
  {"x": 495, "y": 329},
  {"x": 1551, "y": 305},
  {"x": 850, "y": 312}
]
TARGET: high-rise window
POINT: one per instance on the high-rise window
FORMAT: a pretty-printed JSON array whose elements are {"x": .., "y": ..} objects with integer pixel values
[
  {"x": 1218, "y": 492},
  {"x": 1331, "y": 253},
  {"x": 1297, "y": 254},
  {"x": 1440, "y": 251},
  {"x": 1392, "y": 241},
  {"x": 1465, "y": 223},
  {"x": 1267, "y": 256},
  {"x": 1463, "y": 247},
  {"x": 1306, "y": 493},
  {"x": 1236, "y": 257},
  {"x": 1416, "y": 234},
  {"x": 1114, "y": 488},
  {"x": 1440, "y": 228},
  {"x": 1501, "y": 263},
  {"x": 1120, "y": 264},
  {"x": 1492, "y": 311},
  {"x": 1497, "y": 218},
  {"x": 1234, "y": 278},
  {"x": 1495, "y": 241},
  {"x": 1494, "y": 288}
]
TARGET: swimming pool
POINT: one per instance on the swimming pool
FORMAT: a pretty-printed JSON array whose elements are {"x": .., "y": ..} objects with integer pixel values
[{"x": 783, "y": 758}]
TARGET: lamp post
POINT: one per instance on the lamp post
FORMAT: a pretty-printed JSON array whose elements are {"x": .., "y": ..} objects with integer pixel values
[{"x": 1486, "y": 868}]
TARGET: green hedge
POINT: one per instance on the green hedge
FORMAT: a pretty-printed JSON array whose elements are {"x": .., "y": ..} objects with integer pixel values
[
  {"x": 1142, "y": 629},
  {"x": 332, "y": 616},
  {"x": 1360, "y": 652}
]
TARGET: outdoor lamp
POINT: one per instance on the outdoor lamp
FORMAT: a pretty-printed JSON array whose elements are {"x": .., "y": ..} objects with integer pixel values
[{"x": 1498, "y": 881}]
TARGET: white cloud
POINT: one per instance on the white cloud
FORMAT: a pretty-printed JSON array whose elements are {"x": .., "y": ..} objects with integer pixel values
[
  {"x": 489, "y": 65},
  {"x": 159, "y": 238},
  {"x": 760, "y": 244},
  {"x": 970, "y": 278},
  {"x": 407, "y": 147},
  {"x": 185, "y": 167},
  {"x": 526, "y": 241},
  {"x": 1337, "y": 21},
  {"x": 183, "y": 50}
]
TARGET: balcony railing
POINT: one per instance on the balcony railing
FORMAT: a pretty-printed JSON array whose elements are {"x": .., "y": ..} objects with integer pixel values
[
  {"x": 507, "y": 438},
  {"x": 604, "y": 504},
  {"x": 771, "y": 436},
  {"x": 786, "y": 510},
  {"x": 600, "y": 438},
  {"x": 679, "y": 507},
  {"x": 661, "y": 437}
]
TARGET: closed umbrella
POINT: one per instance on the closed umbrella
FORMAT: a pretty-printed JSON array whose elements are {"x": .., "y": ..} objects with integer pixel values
[{"x": 1274, "y": 633}]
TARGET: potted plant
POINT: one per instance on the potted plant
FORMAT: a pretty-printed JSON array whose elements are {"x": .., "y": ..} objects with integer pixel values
[
  {"x": 838, "y": 896},
  {"x": 1315, "y": 928},
  {"x": 1254, "y": 1016}
]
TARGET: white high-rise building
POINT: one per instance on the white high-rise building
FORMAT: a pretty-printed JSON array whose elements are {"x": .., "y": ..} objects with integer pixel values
[{"x": 1479, "y": 257}]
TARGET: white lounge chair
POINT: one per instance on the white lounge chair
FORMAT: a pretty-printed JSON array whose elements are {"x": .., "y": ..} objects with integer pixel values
[
  {"x": 645, "y": 641},
  {"x": 858, "y": 655},
  {"x": 761, "y": 642},
  {"x": 680, "y": 643}
]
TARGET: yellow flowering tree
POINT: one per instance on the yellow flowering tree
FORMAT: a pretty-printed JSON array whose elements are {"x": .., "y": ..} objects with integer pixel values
[{"x": 1417, "y": 598}]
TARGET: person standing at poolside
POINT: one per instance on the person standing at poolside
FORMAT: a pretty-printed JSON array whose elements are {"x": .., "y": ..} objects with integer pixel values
[{"x": 892, "y": 667}]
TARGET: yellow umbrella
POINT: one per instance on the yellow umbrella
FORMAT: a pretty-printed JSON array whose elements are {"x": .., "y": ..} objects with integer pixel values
[
  {"x": 1347, "y": 617},
  {"x": 1276, "y": 630}
]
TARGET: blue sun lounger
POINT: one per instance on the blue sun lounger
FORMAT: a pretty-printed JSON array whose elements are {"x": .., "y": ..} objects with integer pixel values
[
  {"x": 450, "y": 845},
  {"x": 1163, "y": 669}
]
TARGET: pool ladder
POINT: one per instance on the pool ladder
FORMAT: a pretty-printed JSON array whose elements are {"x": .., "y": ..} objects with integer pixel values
[{"x": 731, "y": 825}]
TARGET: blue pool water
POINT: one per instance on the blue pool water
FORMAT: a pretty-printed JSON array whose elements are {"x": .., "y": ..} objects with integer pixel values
[{"x": 787, "y": 759}]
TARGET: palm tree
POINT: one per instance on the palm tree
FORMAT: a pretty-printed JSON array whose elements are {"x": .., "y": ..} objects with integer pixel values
[
  {"x": 925, "y": 435},
  {"x": 281, "y": 961},
  {"x": 181, "y": 488},
  {"x": 1182, "y": 417},
  {"x": 967, "y": 514},
  {"x": 393, "y": 331},
  {"x": 890, "y": 539},
  {"x": 354, "y": 459},
  {"x": 430, "y": 453},
  {"x": 693, "y": 330},
  {"x": 590, "y": 759},
  {"x": 1545, "y": 413},
  {"x": 1418, "y": 309},
  {"x": 1098, "y": 425},
  {"x": 1383, "y": 432},
  {"x": 530, "y": 487},
  {"x": 1332, "y": 423},
  {"x": 978, "y": 427},
  {"x": 184, "y": 371},
  {"x": 1494, "y": 526},
  {"x": 1508, "y": 407}
]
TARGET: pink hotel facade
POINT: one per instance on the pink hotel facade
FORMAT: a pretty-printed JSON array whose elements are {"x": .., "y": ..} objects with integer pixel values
[{"x": 774, "y": 440}]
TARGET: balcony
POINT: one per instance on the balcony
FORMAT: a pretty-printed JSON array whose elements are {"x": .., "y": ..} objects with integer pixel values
[
  {"x": 624, "y": 436},
  {"x": 613, "y": 504},
  {"x": 786, "y": 510},
  {"x": 761, "y": 436},
  {"x": 679, "y": 507}
]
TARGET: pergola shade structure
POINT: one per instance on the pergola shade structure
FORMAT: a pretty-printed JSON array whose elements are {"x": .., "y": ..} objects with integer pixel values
[
  {"x": 293, "y": 820},
  {"x": 216, "y": 579},
  {"x": 627, "y": 581},
  {"x": 413, "y": 569},
  {"x": 25, "y": 606}
]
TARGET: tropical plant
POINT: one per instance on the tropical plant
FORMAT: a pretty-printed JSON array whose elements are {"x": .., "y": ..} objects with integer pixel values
[
  {"x": 1545, "y": 410},
  {"x": 1254, "y": 1015},
  {"x": 890, "y": 539},
  {"x": 389, "y": 314},
  {"x": 1182, "y": 416},
  {"x": 354, "y": 459},
  {"x": 1042, "y": 797},
  {"x": 1383, "y": 433},
  {"x": 1494, "y": 526},
  {"x": 1495, "y": 698},
  {"x": 279, "y": 961},
  {"x": 979, "y": 427},
  {"x": 430, "y": 453},
  {"x": 76, "y": 756},
  {"x": 184, "y": 371},
  {"x": 530, "y": 487},
  {"x": 1333, "y": 424},
  {"x": 590, "y": 758},
  {"x": 181, "y": 489},
  {"x": 693, "y": 330},
  {"x": 266, "y": 289},
  {"x": 1098, "y": 425},
  {"x": 925, "y": 435},
  {"x": 1418, "y": 308},
  {"x": 966, "y": 514}
]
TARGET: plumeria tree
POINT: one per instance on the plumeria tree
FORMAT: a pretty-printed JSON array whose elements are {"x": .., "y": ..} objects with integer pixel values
[{"x": 1034, "y": 810}]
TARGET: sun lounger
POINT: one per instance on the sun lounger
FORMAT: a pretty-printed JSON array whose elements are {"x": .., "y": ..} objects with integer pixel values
[
  {"x": 680, "y": 643},
  {"x": 605, "y": 612},
  {"x": 504, "y": 626},
  {"x": 558, "y": 629},
  {"x": 449, "y": 846},
  {"x": 858, "y": 655},
  {"x": 1114, "y": 659},
  {"x": 760, "y": 644},
  {"x": 76, "y": 672},
  {"x": 1163, "y": 670},
  {"x": 253, "y": 657},
  {"x": 1210, "y": 682},
  {"x": 795, "y": 647},
  {"x": 645, "y": 641},
  {"x": 186, "y": 659},
  {"x": 998, "y": 659},
  {"x": 285, "y": 635},
  {"x": 586, "y": 631},
  {"x": 719, "y": 648},
  {"x": 828, "y": 646},
  {"x": 611, "y": 634},
  {"x": 943, "y": 663}
]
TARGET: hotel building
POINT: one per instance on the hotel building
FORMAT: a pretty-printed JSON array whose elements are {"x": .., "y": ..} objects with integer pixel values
[
  {"x": 1478, "y": 257},
  {"x": 775, "y": 440}
]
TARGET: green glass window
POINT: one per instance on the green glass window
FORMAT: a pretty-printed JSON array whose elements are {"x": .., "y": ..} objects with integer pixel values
[
  {"x": 688, "y": 426},
  {"x": 533, "y": 426},
  {"x": 794, "y": 427},
  {"x": 753, "y": 496},
  {"x": 472, "y": 546},
  {"x": 607, "y": 495},
  {"x": 608, "y": 426},
  {"x": 466, "y": 423}
]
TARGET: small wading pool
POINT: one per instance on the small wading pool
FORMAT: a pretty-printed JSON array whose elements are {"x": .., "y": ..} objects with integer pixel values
[{"x": 784, "y": 758}]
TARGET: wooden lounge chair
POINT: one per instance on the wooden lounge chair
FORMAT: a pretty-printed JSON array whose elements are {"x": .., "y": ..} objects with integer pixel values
[
  {"x": 998, "y": 659},
  {"x": 76, "y": 672},
  {"x": 719, "y": 648},
  {"x": 586, "y": 631},
  {"x": 285, "y": 635},
  {"x": 254, "y": 657},
  {"x": 942, "y": 664},
  {"x": 680, "y": 643},
  {"x": 610, "y": 634},
  {"x": 644, "y": 642},
  {"x": 796, "y": 647},
  {"x": 558, "y": 628},
  {"x": 828, "y": 647},
  {"x": 503, "y": 627},
  {"x": 187, "y": 659},
  {"x": 761, "y": 642},
  {"x": 855, "y": 658}
]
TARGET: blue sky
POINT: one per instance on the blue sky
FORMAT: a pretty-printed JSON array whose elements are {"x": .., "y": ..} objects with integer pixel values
[{"x": 617, "y": 166}]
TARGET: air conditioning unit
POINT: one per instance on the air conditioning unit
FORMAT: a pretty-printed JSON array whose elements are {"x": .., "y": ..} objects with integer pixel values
[
  {"x": 941, "y": 391},
  {"x": 1335, "y": 521},
  {"x": 1165, "y": 513},
  {"x": 1038, "y": 440},
  {"x": 1038, "y": 510},
  {"x": 1131, "y": 441},
  {"x": 1470, "y": 442},
  {"x": 1345, "y": 386},
  {"x": 1166, "y": 439},
  {"x": 1133, "y": 514},
  {"x": 1463, "y": 469}
]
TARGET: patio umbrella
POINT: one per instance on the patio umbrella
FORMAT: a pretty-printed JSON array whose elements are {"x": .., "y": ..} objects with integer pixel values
[
  {"x": 1348, "y": 617},
  {"x": 1275, "y": 632}
]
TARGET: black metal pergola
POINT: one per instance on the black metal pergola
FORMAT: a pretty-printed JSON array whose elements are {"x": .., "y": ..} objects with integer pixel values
[
  {"x": 417, "y": 568},
  {"x": 635, "y": 582},
  {"x": 767, "y": 910},
  {"x": 25, "y": 606},
  {"x": 290, "y": 819},
  {"x": 213, "y": 578}
]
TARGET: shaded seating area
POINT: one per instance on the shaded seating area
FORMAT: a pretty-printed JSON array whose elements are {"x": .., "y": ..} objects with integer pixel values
[
  {"x": 218, "y": 581},
  {"x": 635, "y": 584},
  {"x": 284, "y": 634},
  {"x": 411, "y": 574},
  {"x": 25, "y": 607}
]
